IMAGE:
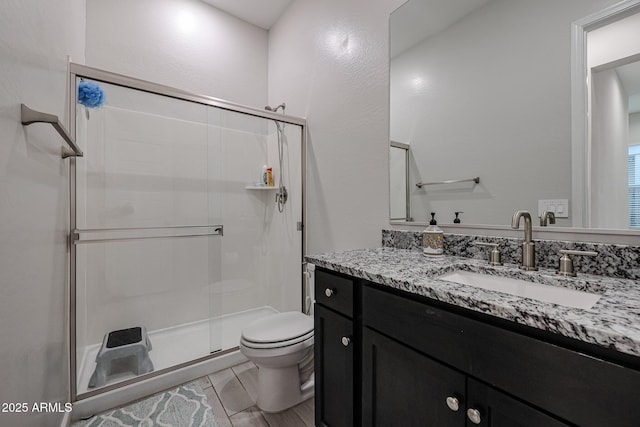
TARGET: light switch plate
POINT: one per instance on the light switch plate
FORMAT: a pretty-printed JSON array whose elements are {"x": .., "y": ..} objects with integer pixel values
[{"x": 560, "y": 207}]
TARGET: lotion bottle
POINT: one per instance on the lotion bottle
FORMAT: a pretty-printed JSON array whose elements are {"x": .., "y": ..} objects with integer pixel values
[{"x": 433, "y": 238}]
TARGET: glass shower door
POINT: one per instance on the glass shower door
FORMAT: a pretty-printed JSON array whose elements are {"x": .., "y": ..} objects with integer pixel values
[
  {"x": 261, "y": 250},
  {"x": 147, "y": 237}
]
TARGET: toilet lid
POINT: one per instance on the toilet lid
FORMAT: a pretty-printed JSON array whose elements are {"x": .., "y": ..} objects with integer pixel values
[{"x": 278, "y": 327}]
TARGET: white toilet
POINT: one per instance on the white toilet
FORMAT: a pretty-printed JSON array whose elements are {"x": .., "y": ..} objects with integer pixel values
[{"x": 281, "y": 346}]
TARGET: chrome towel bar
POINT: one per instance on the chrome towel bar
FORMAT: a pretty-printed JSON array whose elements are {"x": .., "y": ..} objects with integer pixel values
[
  {"x": 29, "y": 116},
  {"x": 450, "y": 181},
  {"x": 102, "y": 235}
]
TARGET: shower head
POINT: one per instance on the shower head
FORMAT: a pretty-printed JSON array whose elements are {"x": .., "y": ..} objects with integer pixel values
[{"x": 275, "y": 109}]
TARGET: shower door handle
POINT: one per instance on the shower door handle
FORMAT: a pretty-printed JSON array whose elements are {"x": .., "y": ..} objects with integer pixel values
[{"x": 103, "y": 235}]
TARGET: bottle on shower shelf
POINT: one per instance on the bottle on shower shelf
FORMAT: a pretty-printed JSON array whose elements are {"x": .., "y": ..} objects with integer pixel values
[{"x": 269, "y": 182}]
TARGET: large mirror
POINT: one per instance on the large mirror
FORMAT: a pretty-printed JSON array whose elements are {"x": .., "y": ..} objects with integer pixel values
[{"x": 481, "y": 93}]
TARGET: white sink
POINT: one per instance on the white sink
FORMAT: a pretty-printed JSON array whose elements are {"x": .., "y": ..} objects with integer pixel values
[{"x": 553, "y": 294}]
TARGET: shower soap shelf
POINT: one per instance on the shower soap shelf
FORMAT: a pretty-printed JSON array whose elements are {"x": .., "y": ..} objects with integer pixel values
[{"x": 260, "y": 187}]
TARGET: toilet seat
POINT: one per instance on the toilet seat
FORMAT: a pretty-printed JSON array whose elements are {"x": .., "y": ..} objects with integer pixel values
[
  {"x": 280, "y": 344},
  {"x": 277, "y": 331}
]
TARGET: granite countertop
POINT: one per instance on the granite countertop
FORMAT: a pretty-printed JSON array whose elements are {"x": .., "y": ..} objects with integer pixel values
[{"x": 613, "y": 322}]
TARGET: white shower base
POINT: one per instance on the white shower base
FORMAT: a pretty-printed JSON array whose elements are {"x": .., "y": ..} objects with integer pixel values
[{"x": 179, "y": 344}]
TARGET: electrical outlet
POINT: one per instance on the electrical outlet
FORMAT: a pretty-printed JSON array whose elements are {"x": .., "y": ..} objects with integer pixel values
[{"x": 559, "y": 207}]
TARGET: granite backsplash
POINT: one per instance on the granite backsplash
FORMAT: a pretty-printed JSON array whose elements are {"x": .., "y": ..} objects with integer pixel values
[{"x": 622, "y": 261}]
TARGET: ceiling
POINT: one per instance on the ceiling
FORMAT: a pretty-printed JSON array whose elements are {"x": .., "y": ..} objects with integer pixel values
[
  {"x": 262, "y": 13},
  {"x": 411, "y": 23}
]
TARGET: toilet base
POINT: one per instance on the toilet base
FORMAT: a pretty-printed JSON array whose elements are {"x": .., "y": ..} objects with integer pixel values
[{"x": 280, "y": 389}]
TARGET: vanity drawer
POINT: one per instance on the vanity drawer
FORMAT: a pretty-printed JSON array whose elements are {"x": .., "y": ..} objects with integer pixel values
[
  {"x": 334, "y": 291},
  {"x": 574, "y": 386}
]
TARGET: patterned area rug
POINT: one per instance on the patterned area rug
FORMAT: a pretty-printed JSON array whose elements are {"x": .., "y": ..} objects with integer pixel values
[{"x": 185, "y": 406}]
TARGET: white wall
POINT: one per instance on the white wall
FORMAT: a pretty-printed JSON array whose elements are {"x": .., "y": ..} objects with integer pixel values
[
  {"x": 490, "y": 97},
  {"x": 609, "y": 151},
  {"x": 329, "y": 61},
  {"x": 35, "y": 39},
  {"x": 613, "y": 42},
  {"x": 181, "y": 43},
  {"x": 634, "y": 129}
]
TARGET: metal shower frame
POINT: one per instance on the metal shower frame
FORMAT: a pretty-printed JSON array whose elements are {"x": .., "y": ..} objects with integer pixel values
[{"x": 77, "y": 70}]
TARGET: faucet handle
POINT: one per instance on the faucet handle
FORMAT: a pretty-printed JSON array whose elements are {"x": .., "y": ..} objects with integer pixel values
[
  {"x": 495, "y": 258},
  {"x": 566, "y": 264}
]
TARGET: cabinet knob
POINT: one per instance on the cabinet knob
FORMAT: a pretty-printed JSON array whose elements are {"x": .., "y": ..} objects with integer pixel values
[
  {"x": 474, "y": 415},
  {"x": 329, "y": 292},
  {"x": 453, "y": 403},
  {"x": 346, "y": 341}
]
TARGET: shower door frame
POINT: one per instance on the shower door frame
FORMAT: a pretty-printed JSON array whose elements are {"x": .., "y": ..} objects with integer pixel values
[{"x": 78, "y": 70}]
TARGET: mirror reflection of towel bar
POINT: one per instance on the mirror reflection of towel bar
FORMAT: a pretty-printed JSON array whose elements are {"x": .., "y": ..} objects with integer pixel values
[{"x": 450, "y": 181}]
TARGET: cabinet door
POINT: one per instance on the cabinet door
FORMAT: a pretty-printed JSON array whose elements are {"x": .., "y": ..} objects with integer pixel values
[
  {"x": 402, "y": 387},
  {"x": 333, "y": 368},
  {"x": 496, "y": 409}
]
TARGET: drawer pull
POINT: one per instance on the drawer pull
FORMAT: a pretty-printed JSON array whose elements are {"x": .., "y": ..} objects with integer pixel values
[
  {"x": 329, "y": 292},
  {"x": 474, "y": 416},
  {"x": 453, "y": 403},
  {"x": 346, "y": 341}
]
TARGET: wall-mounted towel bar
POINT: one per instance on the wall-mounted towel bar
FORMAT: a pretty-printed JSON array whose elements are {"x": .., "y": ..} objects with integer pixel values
[
  {"x": 30, "y": 116},
  {"x": 450, "y": 181}
]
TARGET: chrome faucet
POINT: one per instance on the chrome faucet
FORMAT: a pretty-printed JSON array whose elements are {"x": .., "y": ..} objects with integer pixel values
[
  {"x": 547, "y": 215},
  {"x": 528, "y": 260}
]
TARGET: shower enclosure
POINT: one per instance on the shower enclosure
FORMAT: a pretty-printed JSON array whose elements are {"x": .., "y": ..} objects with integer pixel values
[{"x": 173, "y": 230}]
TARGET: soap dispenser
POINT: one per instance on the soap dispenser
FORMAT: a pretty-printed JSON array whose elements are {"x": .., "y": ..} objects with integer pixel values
[{"x": 433, "y": 238}]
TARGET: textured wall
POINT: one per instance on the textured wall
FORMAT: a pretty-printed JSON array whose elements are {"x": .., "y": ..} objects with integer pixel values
[
  {"x": 35, "y": 39},
  {"x": 329, "y": 62},
  {"x": 181, "y": 43}
]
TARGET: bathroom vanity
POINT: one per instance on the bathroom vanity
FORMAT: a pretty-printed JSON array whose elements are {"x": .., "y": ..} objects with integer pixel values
[{"x": 396, "y": 345}]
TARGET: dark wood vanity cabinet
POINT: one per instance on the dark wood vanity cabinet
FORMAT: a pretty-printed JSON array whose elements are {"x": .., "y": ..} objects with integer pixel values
[
  {"x": 411, "y": 361},
  {"x": 334, "y": 350},
  {"x": 511, "y": 378},
  {"x": 404, "y": 387}
]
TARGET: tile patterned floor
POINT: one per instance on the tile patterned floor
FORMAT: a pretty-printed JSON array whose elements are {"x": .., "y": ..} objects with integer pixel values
[{"x": 232, "y": 395}]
